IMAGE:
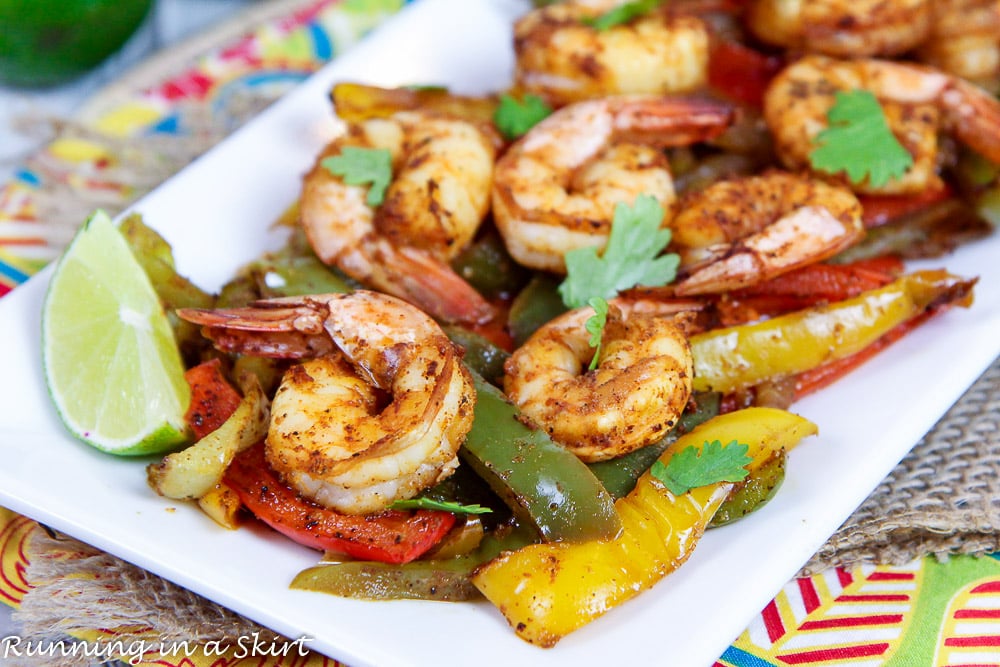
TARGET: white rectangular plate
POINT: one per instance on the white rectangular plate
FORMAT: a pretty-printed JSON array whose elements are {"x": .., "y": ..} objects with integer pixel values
[{"x": 217, "y": 215}]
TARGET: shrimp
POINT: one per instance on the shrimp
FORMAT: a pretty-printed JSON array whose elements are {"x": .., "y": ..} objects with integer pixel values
[
  {"x": 563, "y": 59},
  {"x": 555, "y": 189},
  {"x": 845, "y": 28},
  {"x": 739, "y": 232},
  {"x": 635, "y": 395},
  {"x": 331, "y": 436},
  {"x": 964, "y": 39},
  {"x": 439, "y": 195},
  {"x": 918, "y": 103}
]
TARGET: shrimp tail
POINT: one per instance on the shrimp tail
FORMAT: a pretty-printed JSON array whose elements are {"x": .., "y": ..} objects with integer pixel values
[
  {"x": 278, "y": 328},
  {"x": 430, "y": 284},
  {"x": 667, "y": 122},
  {"x": 975, "y": 116}
]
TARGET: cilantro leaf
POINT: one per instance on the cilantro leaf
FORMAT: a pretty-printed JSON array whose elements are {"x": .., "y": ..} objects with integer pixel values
[
  {"x": 445, "y": 505},
  {"x": 629, "y": 259},
  {"x": 515, "y": 117},
  {"x": 358, "y": 166},
  {"x": 595, "y": 326},
  {"x": 858, "y": 141},
  {"x": 622, "y": 14},
  {"x": 688, "y": 469}
]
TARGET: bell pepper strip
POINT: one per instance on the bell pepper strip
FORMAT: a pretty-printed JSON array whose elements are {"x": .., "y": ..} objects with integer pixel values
[
  {"x": 814, "y": 379},
  {"x": 760, "y": 486},
  {"x": 444, "y": 580},
  {"x": 539, "y": 302},
  {"x": 479, "y": 353},
  {"x": 213, "y": 398},
  {"x": 929, "y": 232},
  {"x": 877, "y": 210},
  {"x": 546, "y": 591},
  {"x": 737, "y": 357},
  {"x": 740, "y": 72},
  {"x": 828, "y": 282},
  {"x": 192, "y": 472},
  {"x": 392, "y": 536},
  {"x": 545, "y": 485}
]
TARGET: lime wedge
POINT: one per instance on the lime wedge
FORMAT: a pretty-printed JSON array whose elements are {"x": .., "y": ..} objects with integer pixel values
[{"x": 111, "y": 361}]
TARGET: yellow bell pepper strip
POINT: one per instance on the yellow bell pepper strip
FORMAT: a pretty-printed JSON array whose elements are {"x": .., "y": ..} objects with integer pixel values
[
  {"x": 544, "y": 484},
  {"x": 742, "y": 356},
  {"x": 546, "y": 591}
]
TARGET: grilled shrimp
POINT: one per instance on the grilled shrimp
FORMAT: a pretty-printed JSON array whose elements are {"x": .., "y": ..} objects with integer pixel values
[
  {"x": 332, "y": 437},
  {"x": 919, "y": 102},
  {"x": 855, "y": 28},
  {"x": 739, "y": 232},
  {"x": 562, "y": 58},
  {"x": 439, "y": 195},
  {"x": 635, "y": 395},
  {"x": 964, "y": 39},
  {"x": 555, "y": 189}
]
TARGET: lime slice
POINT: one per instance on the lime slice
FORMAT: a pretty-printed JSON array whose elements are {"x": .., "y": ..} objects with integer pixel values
[{"x": 111, "y": 362}]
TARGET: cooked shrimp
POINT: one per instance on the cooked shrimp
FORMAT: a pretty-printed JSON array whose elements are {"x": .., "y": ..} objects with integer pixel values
[
  {"x": 331, "y": 436},
  {"x": 555, "y": 189},
  {"x": 739, "y": 232},
  {"x": 845, "y": 28},
  {"x": 563, "y": 59},
  {"x": 634, "y": 396},
  {"x": 964, "y": 39},
  {"x": 439, "y": 195},
  {"x": 918, "y": 103}
]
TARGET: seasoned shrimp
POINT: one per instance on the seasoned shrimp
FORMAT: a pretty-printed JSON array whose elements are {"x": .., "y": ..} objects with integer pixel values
[
  {"x": 845, "y": 28},
  {"x": 563, "y": 59},
  {"x": 635, "y": 395},
  {"x": 964, "y": 39},
  {"x": 918, "y": 103},
  {"x": 331, "y": 436},
  {"x": 555, "y": 189},
  {"x": 439, "y": 195},
  {"x": 739, "y": 232}
]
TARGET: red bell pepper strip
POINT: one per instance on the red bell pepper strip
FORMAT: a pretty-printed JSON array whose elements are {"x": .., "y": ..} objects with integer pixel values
[
  {"x": 390, "y": 537},
  {"x": 741, "y": 72},
  {"x": 877, "y": 210},
  {"x": 829, "y": 282},
  {"x": 213, "y": 398}
]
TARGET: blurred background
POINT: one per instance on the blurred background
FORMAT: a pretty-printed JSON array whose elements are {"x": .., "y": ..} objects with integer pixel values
[{"x": 54, "y": 54}]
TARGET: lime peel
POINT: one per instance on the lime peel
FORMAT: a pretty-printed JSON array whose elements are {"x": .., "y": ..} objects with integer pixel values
[{"x": 111, "y": 362}]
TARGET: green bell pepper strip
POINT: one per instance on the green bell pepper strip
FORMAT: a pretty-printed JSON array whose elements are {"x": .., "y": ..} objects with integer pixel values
[
  {"x": 544, "y": 484},
  {"x": 539, "y": 302},
  {"x": 742, "y": 356},
  {"x": 446, "y": 580},
  {"x": 481, "y": 355}
]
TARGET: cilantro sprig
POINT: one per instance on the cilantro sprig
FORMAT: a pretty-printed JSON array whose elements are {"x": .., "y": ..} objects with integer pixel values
[
  {"x": 631, "y": 257},
  {"x": 858, "y": 141},
  {"x": 360, "y": 166},
  {"x": 714, "y": 462},
  {"x": 514, "y": 117},
  {"x": 595, "y": 327},
  {"x": 445, "y": 505},
  {"x": 622, "y": 14}
]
